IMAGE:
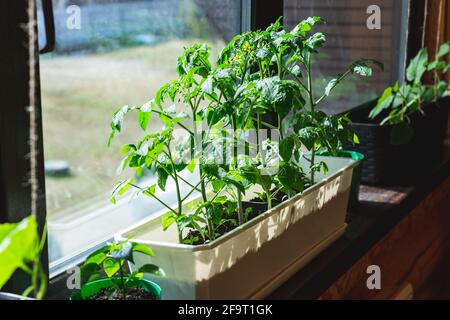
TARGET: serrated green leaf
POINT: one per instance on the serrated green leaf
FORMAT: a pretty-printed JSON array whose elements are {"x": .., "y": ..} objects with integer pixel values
[
  {"x": 417, "y": 66},
  {"x": 383, "y": 103},
  {"x": 207, "y": 85},
  {"x": 143, "y": 249},
  {"x": 316, "y": 40},
  {"x": 162, "y": 177},
  {"x": 167, "y": 220},
  {"x": 286, "y": 148},
  {"x": 151, "y": 269},
  {"x": 330, "y": 86},
  {"x": 111, "y": 267},
  {"x": 123, "y": 251},
  {"x": 308, "y": 136}
]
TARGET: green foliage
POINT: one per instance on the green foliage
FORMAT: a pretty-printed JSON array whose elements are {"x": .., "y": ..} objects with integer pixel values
[
  {"x": 20, "y": 248},
  {"x": 399, "y": 102},
  {"x": 110, "y": 261},
  {"x": 259, "y": 73}
]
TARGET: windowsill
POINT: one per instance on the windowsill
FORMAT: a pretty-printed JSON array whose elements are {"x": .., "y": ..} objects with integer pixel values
[{"x": 380, "y": 210}]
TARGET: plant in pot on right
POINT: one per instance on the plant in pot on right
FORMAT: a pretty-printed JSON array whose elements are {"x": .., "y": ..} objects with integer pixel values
[{"x": 406, "y": 128}]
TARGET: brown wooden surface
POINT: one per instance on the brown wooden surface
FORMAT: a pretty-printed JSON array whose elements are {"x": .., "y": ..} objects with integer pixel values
[{"x": 416, "y": 251}]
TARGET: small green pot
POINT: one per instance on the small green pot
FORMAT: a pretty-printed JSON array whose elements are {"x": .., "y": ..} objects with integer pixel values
[
  {"x": 356, "y": 177},
  {"x": 91, "y": 288}
]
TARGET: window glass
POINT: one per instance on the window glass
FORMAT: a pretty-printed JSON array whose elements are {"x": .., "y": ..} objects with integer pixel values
[
  {"x": 109, "y": 53},
  {"x": 355, "y": 29}
]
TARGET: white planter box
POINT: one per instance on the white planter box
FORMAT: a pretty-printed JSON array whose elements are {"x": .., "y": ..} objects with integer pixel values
[{"x": 255, "y": 258}]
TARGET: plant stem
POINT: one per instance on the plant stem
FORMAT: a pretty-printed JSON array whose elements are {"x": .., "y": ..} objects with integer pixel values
[
  {"x": 177, "y": 184},
  {"x": 235, "y": 155},
  {"x": 122, "y": 281},
  {"x": 258, "y": 135},
  {"x": 155, "y": 197},
  {"x": 171, "y": 118},
  {"x": 197, "y": 149},
  {"x": 311, "y": 101},
  {"x": 177, "y": 187},
  {"x": 269, "y": 199},
  {"x": 280, "y": 124},
  {"x": 313, "y": 154}
]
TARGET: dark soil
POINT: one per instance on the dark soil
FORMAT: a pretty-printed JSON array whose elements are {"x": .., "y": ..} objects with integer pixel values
[
  {"x": 195, "y": 238},
  {"x": 130, "y": 294}
]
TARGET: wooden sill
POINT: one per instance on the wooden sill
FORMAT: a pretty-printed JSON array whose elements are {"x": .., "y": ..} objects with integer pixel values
[{"x": 403, "y": 230}]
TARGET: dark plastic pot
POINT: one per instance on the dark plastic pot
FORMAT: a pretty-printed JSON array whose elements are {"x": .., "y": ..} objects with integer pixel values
[
  {"x": 386, "y": 163},
  {"x": 356, "y": 176},
  {"x": 92, "y": 288}
]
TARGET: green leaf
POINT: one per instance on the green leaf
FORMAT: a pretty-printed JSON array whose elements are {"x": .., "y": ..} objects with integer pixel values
[
  {"x": 167, "y": 220},
  {"x": 207, "y": 85},
  {"x": 19, "y": 245},
  {"x": 150, "y": 191},
  {"x": 270, "y": 89},
  {"x": 316, "y": 40},
  {"x": 111, "y": 267},
  {"x": 120, "y": 188},
  {"x": 417, "y": 66},
  {"x": 308, "y": 136},
  {"x": 144, "y": 114},
  {"x": 96, "y": 258},
  {"x": 151, "y": 269},
  {"x": 292, "y": 178},
  {"x": 363, "y": 68},
  {"x": 160, "y": 94},
  {"x": 89, "y": 272},
  {"x": 117, "y": 122},
  {"x": 296, "y": 71},
  {"x": 286, "y": 148},
  {"x": 191, "y": 165},
  {"x": 143, "y": 249},
  {"x": 162, "y": 177},
  {"x": 217, "y": 185},
  {"x": 383, "y": 103},
  {"x": 333, "y": 83},
  {"x": 123, "y": 251},
  {"x": 401, "y": 133},
  {"x": 306, "y": 25},
  {"x": 444, "y": 49}
]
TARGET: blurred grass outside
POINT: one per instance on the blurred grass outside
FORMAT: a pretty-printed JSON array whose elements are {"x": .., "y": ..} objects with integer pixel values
[{"x": 79, "y": 95}]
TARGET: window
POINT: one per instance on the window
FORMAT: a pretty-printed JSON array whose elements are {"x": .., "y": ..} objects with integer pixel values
[
  {"x": 115, "y": 52},
  {"x": 349, "y": 39}
]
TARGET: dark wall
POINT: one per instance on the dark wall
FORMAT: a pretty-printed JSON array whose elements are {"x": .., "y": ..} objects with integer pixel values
[{"x": 15, "y": 191}]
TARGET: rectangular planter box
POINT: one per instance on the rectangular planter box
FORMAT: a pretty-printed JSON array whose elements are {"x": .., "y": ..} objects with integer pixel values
[
  {"x": 385, "y": 163},
  {"x": 255, "y": 258}
]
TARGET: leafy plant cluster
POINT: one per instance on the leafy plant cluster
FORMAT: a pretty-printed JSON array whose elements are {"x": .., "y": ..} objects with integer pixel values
[
  {"x": 111, "y": 261},
  {"x": 257, "y": 75},
  {"x": 399, "y": 102}
]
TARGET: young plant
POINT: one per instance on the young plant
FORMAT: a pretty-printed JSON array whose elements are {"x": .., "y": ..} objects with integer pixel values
[
  {"x": 111, "y": 261},
  {"x": 159, "y": 152},
  {"x": 20, "y": 248},
  {"x": 399, "y": 102},
  {"x": 294, "y": 59}
]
